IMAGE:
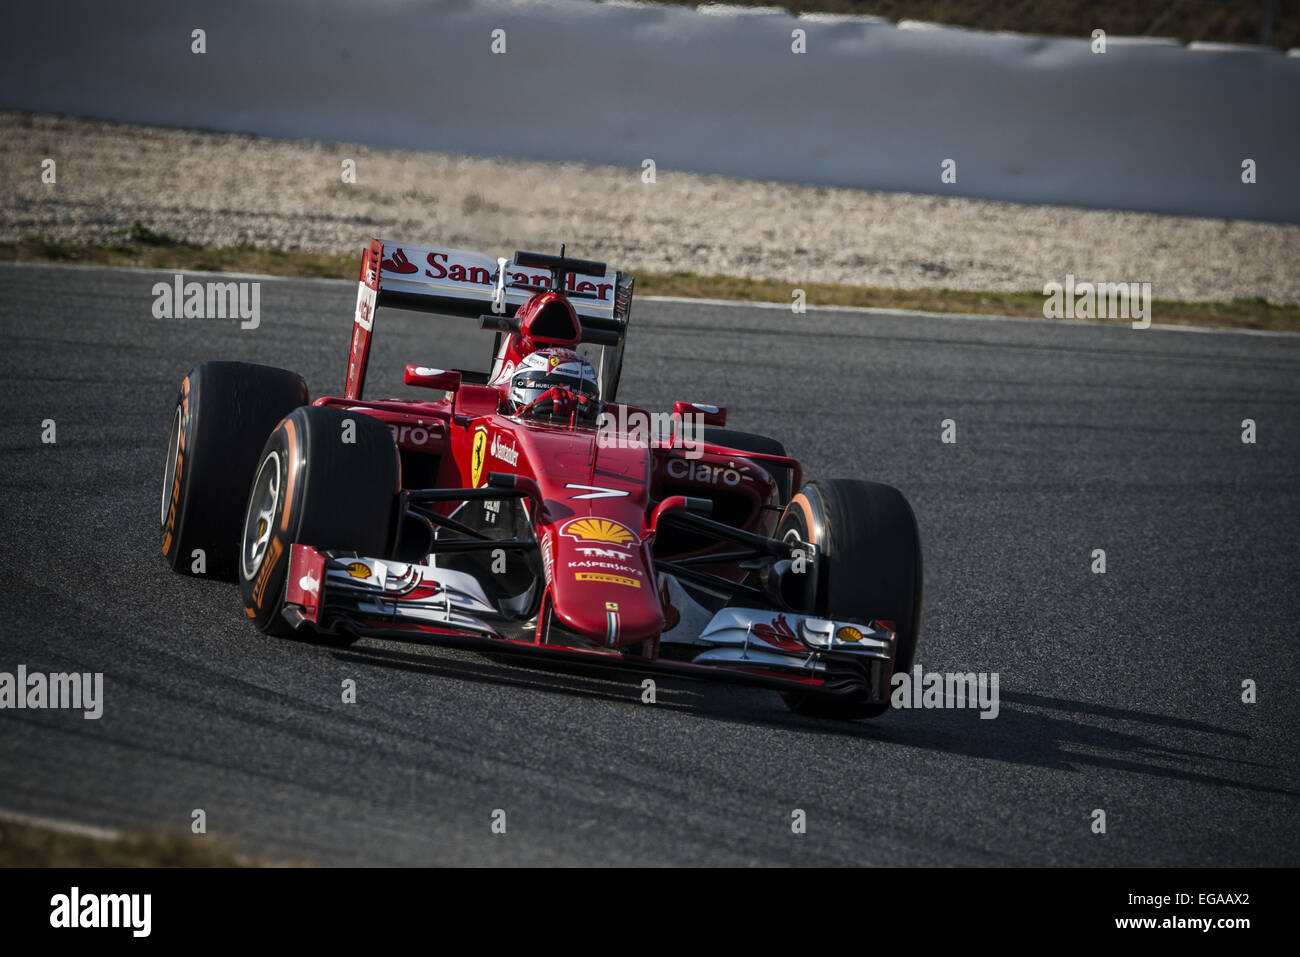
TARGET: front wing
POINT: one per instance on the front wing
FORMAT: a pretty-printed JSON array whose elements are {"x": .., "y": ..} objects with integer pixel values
[{"x": 380, "y": 598}]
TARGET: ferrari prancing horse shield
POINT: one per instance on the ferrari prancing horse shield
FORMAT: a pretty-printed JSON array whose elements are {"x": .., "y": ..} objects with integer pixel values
[{"x": 476, "y": 458}]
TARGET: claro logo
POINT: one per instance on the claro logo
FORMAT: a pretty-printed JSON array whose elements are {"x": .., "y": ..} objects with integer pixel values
[
  {"x": 703, "y": 472},
  {"x": 411, "y": 434}
]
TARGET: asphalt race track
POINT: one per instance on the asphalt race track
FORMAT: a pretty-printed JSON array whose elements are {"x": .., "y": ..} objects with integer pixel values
[{"x": 1119, "y": 691}]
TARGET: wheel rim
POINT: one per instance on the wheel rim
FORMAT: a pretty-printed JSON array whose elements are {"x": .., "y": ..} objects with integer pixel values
[
  {"x": 169, "y": 470},
  {"x": 259, "y": 520}
]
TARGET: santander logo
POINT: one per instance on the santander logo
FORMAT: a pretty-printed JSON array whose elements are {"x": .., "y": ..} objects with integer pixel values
[
  {"x": 506, "y": 453},
  {"x": 442, "y": 266},
  {"x": 400, "y": 264}
]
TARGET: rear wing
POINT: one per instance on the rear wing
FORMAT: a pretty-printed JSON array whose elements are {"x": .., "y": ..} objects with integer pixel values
[{"x": 457, "y": 282}]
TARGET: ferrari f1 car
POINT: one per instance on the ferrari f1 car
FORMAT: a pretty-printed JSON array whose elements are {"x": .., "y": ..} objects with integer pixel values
[{"x": 524, "y": 509}]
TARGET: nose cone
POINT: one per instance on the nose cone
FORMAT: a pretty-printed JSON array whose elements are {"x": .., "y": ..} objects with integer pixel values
[{"x": 601, "y": 586}]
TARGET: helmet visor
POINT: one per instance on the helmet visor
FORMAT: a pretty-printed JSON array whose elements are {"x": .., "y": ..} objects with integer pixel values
[{"x": 526, "y": 386}]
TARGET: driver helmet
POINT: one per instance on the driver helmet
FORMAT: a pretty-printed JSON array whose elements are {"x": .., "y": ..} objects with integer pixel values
[{"x": 547, "y": 368}]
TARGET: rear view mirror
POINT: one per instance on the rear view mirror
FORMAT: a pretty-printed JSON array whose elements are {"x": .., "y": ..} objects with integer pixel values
[
  {"x": 710, "y": 414},
  {"x": 448, "y": 380}
]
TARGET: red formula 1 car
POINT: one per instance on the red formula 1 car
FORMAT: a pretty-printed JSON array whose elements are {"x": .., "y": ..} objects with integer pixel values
[{"x": 523, "y": 509}]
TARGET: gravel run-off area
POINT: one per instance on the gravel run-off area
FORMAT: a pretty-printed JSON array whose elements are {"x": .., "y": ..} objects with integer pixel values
[{"x": 219, "y": 189}]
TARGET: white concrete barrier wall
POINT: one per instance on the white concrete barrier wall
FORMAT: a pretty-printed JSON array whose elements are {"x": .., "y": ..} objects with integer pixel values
[{"x": 1144, "y": 126}]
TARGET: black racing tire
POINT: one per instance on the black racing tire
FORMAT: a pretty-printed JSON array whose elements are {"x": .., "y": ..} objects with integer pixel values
[
  {"x": 223, "y": 414},
  {"x": 312, "y": 487},
  {"x": 752, "y": 442},
  {"x": 870, "y": 568}
]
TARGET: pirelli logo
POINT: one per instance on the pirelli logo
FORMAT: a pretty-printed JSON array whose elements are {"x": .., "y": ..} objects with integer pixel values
[
  {"x": 607, "y": 579},
  {"x": 264, "y": 575}
]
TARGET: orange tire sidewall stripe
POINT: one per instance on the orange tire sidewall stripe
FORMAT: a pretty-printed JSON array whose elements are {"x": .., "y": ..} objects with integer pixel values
[
  {"x": 292, "y": 432},
  {"x": 173, "y": 494},
  {"x": 802, "y": 501}
]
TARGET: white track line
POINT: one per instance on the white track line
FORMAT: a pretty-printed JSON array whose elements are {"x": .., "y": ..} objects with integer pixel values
[
  {"x": 172, "y": 272},
  {"x": 884, "y": 311},
  {"x": 63, "y": 827},
  {"x": 730, "y": 303}
]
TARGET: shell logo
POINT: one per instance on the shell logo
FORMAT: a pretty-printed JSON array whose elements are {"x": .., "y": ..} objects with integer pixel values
[
  {"x": 358, "y": 570},
  {"x": 598, "y": 530}
]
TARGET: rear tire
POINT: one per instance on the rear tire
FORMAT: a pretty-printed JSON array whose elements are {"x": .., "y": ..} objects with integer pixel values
[
  {"x": 751, "y": 442},
  {"x": 223, "y": 414},
  {"x": 312, "y": 487},
  {"x": 870, "y": 568}
]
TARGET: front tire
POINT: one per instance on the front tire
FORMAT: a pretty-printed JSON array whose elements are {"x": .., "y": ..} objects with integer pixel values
[
  {"x": 869, "y": 554},
  {"x": 223, "y": 414},
  {"x": 328, "y": 478}
]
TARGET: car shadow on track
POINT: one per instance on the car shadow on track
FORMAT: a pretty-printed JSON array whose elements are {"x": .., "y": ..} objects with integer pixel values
[
  {"x": 1042, "y": 731},
  {"x": 1030, "y": 729}
]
